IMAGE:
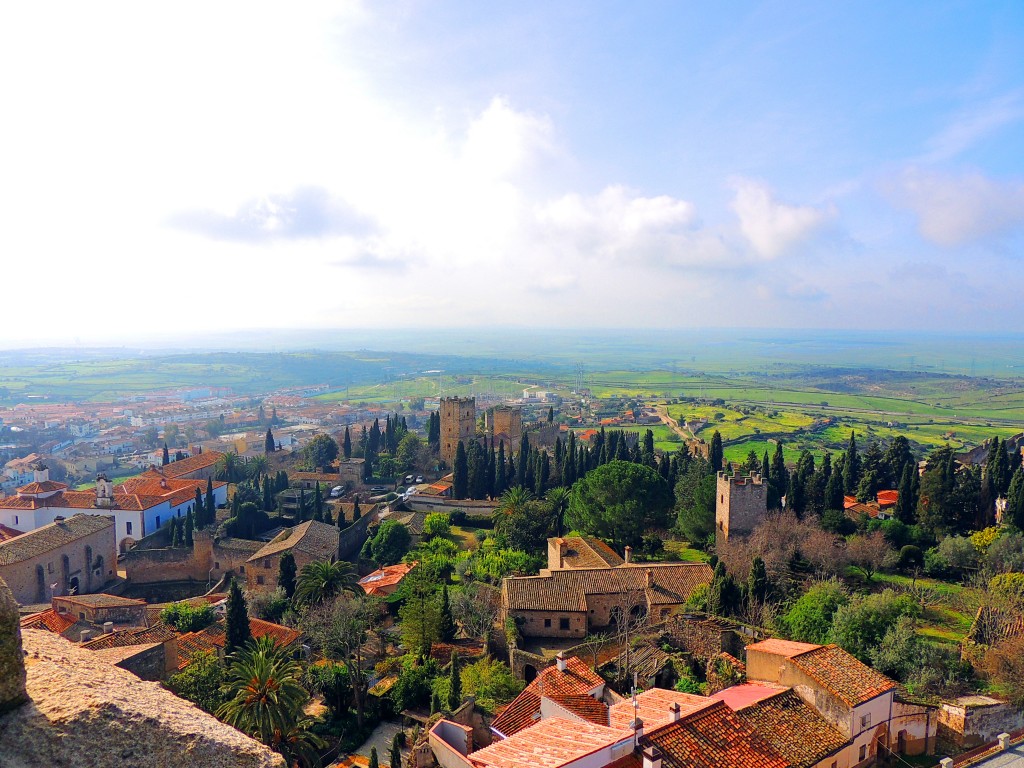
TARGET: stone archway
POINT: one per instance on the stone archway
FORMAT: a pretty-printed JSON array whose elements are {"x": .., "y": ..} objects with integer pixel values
[
  {"x": 126, "y": 543},
  {"x": 529, "y": 673}
]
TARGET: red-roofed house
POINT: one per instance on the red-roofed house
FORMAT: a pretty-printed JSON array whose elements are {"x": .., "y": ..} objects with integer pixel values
[
  {"x": 384, "y": 581},
  {"x": 860, "y": 702}
]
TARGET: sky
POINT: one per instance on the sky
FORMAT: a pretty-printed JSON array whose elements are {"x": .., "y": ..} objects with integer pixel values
[{"x": 182, "y": 168}]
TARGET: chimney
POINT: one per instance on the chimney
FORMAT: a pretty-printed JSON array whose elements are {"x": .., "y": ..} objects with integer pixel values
[
  {"x": 108, "y": 627},
  {"x": 1004, "y": 741},
  {"x": 674, "y": 712},
  {"x": 59, "y": 519},
  {"x": 946, "y": 762},
  {"x": 649, "y": 577},
  {"x": 628, "y": 554},
  {"x": 86, "y": 635},
  {"x": 560, "y": 661},
  {"x": 652, "y": 757},
  {"x": 638, "y": 727}
]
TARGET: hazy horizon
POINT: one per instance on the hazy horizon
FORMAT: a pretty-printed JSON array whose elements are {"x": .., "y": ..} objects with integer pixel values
[{"x": 194, "y": 169}]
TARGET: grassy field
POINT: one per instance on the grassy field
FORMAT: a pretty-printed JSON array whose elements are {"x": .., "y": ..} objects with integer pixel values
[{"x": 949, "y": 609}]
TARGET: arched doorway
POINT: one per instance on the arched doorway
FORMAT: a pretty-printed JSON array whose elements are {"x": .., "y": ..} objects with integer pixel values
[{"x": 529, "y": 673}]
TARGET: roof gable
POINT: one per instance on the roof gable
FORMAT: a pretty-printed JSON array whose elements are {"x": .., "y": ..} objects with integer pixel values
[{"x": 842, "y": 675}]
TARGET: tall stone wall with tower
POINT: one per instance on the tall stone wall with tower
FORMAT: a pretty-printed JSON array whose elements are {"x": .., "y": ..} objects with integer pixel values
[
  {"x": 458, "y": 424},
  {"x": 505, "y": 425},
  {"x": 740, "y": 505}
]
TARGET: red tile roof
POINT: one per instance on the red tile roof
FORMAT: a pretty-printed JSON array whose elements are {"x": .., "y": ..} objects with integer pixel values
[
  {"x": 46, "y": 486},
  {"x": 548, "y": 744},
  {"x": 795, "y": 730},
  {"x": 378, "y": 582},
  {"x": 842, "y": 675},
  {"x": 712, "y": 737},
  {"x": 7, "y": 532},
  {"x": 887, "y": 498},
  {"x": 787, "y": 648},
  {"x": 192, "y": 463},
  {"x": 747, "y": 694},
  {"x": 49, "y": 620},
  {"x": 283, "y": 636},
  {"x": 653, "y": 707},
  {"x": 577, "y": 680}
]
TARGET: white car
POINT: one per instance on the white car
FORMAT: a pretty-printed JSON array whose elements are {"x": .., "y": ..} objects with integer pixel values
[{"x": 337, "y": 490}]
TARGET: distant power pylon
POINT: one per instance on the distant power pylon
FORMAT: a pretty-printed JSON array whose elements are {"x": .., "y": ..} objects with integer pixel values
[{"x": 579, "y": 377}]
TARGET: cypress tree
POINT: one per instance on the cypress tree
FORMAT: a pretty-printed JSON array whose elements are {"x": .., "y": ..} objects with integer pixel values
[
  {"x": 373, "y": 758},
  {"x": 758, "y": 586},
  {"x": 551, "y": 414},
  {"x": 766, "y": 467},
  {"x": 1015, "y": 501},
  {"x": 355, "y": 508},
  {"x": 318, "y": 503},
  {"x": 454, "y": 684},
  {"x": 190, "y": 526},
  {"x": 492, "y": 474},
  {"x": 716, "y": 452},
  {"x": 778, "y": 479},
  {"x": 286, "y": 574},
  {"x": 236, "y": 620},
  {"x": 268, "y": 496},
  {"x": 166, "y": 456},
  {"x": 346, "y": 444},
  {"x": 197, "y": 507},
  {"x": 851, "y": 467},
  {"x": 499, "y": 471},
  {"x": 268, "y": 442},
  {"x": 906, "y": 503},
  {"x": 328, "y": 518},
  {"x": 301, "y": 514},
  {"x": 447, "y": 628},
  {"x": 210, "y": 508},
  {"x": 460, "y": 473},
  {"x": 396, "y": 752}
]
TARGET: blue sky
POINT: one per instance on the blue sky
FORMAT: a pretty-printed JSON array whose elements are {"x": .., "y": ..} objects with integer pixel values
[{"x": 569, "y": 164}]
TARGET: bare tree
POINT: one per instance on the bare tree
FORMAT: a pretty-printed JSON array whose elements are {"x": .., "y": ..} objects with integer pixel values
[
  {"x": 867, "y": 553},
  {"x": 476, "y": 607},
  {"x": 629, "y": 614}
]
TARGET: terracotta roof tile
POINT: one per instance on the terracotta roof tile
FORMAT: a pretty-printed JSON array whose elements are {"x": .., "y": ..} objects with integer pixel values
[
  {"x": 388, "y": 576},
  {"x": 712, "y": 737},
  {"x": 49, "y": 620},
  {"x": 316, "y": 539},
  {"x": 842, "y": 675},
  {"x": 795, "y": 730},
  {"x": 653, "y": 707},
  {"x": 192, "y": 463},
  {"x": 548, "y": 744},
  {"x": 671, "y": 583},
  {"x": 161, "y": 633},
  {"x": 588, "y": 552},
  {"x": 787, "y": 648},
  {"x": 577, "y": 680},
  {"x": 46, "y": 486}
]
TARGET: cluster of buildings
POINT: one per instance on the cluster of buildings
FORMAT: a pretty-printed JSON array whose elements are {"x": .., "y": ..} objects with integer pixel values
[{"x": 800, "y": 706}]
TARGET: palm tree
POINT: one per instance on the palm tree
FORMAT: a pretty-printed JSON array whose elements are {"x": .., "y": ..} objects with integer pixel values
[
  {"x": 256, "y": 467},
  {"x": 558, "y": 498},
  {"x": 228, "y": 467},
  {"x": 511, "y": 503},
  {"x": 299, "y": 744},
  {"x": 321, "y": 580},
  {"x": 265, "y": 695}
]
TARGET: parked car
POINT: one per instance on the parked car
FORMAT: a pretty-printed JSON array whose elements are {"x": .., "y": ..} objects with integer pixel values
[
  {"x": 337, "y": 490},
  {"x": 378, "y": 489},
  {"x": 408, "y": 479},
  {"x": 419, "y": 479}
]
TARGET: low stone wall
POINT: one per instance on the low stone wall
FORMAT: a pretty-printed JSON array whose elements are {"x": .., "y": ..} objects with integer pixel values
[{"x": 353, "y": 537}]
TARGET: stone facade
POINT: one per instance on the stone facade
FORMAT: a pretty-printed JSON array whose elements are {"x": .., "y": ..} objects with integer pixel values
[
  {"x": 971, "y": 721},
  {"x": 12, "y": 662},
  {"x": 741, "y": 504},
  {"x": 208, "y": 560},
  {"x": 505, "y": 424},
  {"x": 78, "y": 554},
  {"x": 458, "y": 424}
]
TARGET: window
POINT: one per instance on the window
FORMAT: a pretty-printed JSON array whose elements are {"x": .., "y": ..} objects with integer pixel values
[
  {"x": 863, "y": 752},
  {"x": 216, "y": 565},
  {"x": 563, "y": 624},
  {"x": 266, "y": 563},
  {"x": 547, "y": 623},
  {"x": 835, "y": 764},
  {"x": 865, "y": 720},
  {"x": 81, "y": 614},
  {"x": 241, "y": 569},
  {"x": 49, "y": 567},
  {"x": 15, "y": 519},
  {"x": 128, "y": 527},
  {"x": 158, "y": 521},
  {"x": 259, "y": 579}
]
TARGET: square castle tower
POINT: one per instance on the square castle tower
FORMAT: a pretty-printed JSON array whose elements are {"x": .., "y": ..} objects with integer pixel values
[
  {"x": 741, "y": 504},
  {"x": 458, "y": 424}
]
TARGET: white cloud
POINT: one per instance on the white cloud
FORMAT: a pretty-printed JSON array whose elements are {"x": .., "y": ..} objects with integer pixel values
[
  {"x": 973, "y": 124},
  {"x": 772, "y": 227},
  {"x": 953, "y": 210}
]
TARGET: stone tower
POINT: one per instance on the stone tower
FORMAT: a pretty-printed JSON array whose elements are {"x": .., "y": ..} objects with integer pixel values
[
  {"x": 740, "y": 505},
  {"x": 458, "y": 424},
  {"x": 505, "y": 423}
]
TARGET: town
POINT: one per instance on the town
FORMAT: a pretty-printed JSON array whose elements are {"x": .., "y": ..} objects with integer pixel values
[{"x": 477, "y": 581}]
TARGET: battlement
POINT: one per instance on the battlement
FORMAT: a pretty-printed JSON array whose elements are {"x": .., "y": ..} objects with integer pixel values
[{"x": 741, "y": 503}]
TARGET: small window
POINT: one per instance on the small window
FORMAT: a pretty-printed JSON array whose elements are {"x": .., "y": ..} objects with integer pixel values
[
  {"x": 865, "y": 720},
  {"x": 216, "y": 565},
  {"x": 241, "y": 569},
  {"x": 863, "y": 752},
  {"x": 158, "y": 521},
  {"x": 547, "y": 622},
  {"x": 563, "y": 624},
  {"x": 49, "y": 567},
  {"x": 259, "y": 579},
  {"x": 15, "y": 519},
  {"x": 128, "y": 527},
  {"x": 266, "y": 563},
  {"x": 81, "y": 614}
]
